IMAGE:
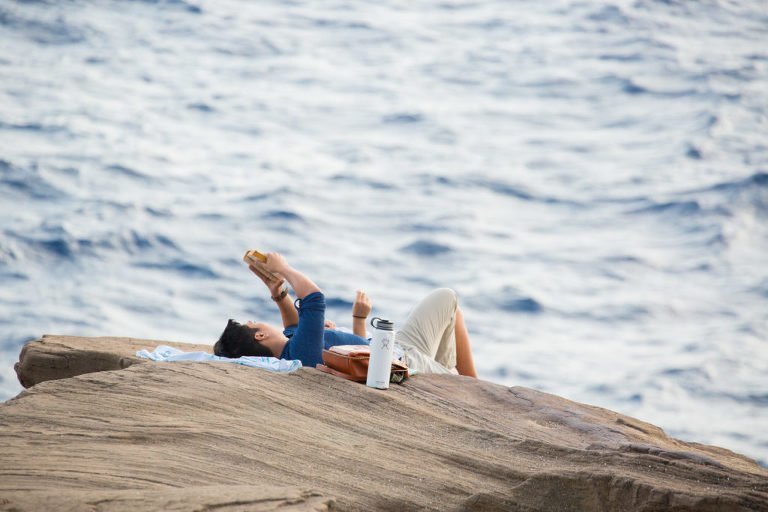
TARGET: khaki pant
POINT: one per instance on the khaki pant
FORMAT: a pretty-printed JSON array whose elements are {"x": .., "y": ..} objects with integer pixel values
[{"x": 428, "y": 335}]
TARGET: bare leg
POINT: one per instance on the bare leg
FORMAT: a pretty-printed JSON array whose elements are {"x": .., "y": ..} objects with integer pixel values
[{"x": 465, "y": 365}]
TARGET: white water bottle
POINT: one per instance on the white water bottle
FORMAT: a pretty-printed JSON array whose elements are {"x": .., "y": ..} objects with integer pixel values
[{"x": 382, "y": 345}]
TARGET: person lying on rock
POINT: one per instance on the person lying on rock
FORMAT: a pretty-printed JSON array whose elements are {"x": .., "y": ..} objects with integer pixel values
[{"x": 434, "y": 338}]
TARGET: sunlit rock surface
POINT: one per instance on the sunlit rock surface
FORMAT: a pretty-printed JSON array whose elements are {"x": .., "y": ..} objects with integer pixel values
[{"x": 218, "y": 436}]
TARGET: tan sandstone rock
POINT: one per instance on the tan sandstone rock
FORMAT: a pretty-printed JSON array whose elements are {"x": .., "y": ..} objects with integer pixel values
[
  {"x": 58, "y": 357},
  {"x": 207, "y": 436}
]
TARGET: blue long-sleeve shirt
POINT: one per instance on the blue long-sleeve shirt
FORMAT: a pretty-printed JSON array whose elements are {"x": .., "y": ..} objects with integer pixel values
[{"x": 307, "y": 340}]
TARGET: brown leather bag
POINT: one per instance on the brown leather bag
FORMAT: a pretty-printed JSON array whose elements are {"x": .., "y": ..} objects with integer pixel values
[{"x": 351, "y": 362}]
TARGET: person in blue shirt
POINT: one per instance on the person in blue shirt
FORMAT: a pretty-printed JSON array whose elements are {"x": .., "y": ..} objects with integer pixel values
[{"x": 434, "y": 338}]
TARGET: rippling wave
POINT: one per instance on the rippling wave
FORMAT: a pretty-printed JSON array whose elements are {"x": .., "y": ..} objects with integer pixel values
[{"x": 592, "y": 178}]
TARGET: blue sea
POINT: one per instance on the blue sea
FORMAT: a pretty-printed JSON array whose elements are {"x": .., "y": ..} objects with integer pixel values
[{"x": 591, "y": 177}]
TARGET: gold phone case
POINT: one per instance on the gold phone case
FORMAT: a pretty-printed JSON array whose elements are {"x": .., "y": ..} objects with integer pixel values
[{"x": 257, "y": 260}]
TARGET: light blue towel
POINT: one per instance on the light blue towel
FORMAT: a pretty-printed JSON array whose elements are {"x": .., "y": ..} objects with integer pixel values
[{"x": 168, "y": 354}]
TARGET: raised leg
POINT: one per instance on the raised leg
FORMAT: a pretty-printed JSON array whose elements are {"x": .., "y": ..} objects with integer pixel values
[{"x": 465, "y": 364}]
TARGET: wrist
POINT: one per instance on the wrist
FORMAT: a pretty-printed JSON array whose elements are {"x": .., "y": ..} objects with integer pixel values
[{"x": 280, "y": 296}]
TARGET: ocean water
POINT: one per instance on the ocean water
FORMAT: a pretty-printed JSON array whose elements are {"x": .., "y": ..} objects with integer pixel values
[{"x": 590, "y": 177}]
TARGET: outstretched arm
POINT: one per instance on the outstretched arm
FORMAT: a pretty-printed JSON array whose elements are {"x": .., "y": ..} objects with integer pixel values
[
  {"x": 360, "y": 311},
  {"x": 300, "y": 283},
  {"x": 281, "y": 297},
  {"x": 306, "y": 344}
]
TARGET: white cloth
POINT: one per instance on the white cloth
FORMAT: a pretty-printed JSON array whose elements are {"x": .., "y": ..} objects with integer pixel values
[{"x": 165, "y": 353}]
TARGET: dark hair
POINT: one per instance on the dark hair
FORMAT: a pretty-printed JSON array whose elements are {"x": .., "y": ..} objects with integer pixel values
[{"x": 237, "y": 340}]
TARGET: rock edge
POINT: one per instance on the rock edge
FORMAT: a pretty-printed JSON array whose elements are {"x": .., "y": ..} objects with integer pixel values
[{"x": 158, "y": 433}]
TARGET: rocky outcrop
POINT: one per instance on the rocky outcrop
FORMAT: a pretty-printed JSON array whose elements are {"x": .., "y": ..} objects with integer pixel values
[
  {"x": 59, "y": 357},
  {"x": 218, "y": 436}
]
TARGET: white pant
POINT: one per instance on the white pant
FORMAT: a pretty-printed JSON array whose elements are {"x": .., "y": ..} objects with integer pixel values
[{"x": 428, "y": 334}]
